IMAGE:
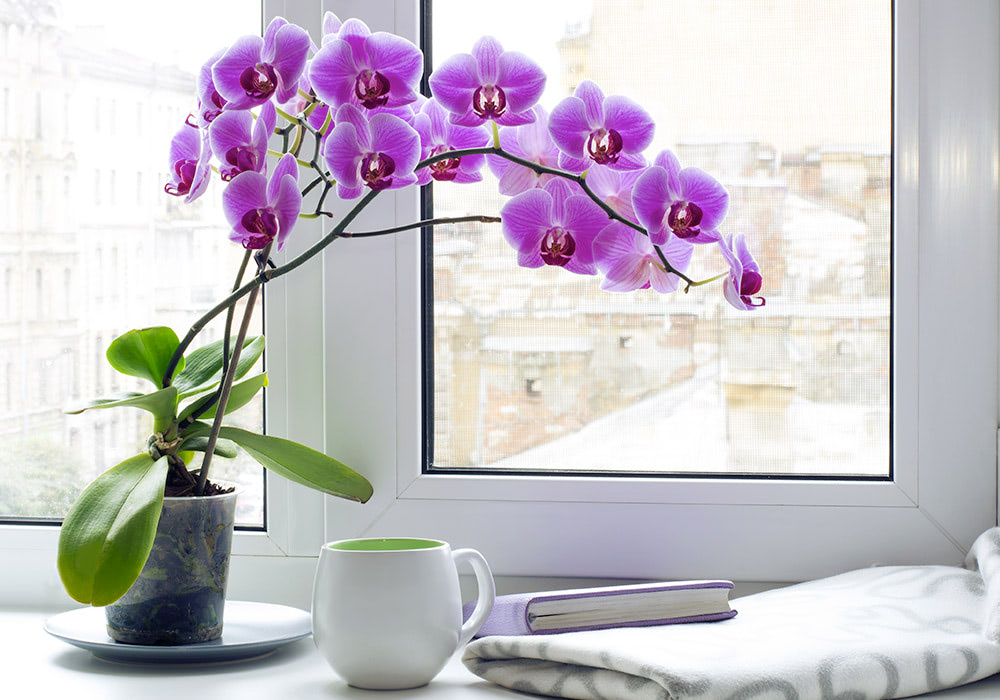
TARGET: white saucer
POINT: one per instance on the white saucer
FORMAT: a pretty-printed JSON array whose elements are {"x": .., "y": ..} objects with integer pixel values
[{"x": 249, "y": 630}]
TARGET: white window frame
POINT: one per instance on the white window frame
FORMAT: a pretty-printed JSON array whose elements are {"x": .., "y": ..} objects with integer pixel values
[{"x": 944, "y": 487}]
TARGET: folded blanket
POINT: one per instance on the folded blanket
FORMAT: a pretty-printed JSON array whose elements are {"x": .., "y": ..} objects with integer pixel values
[{"x": 883, "y": 632}]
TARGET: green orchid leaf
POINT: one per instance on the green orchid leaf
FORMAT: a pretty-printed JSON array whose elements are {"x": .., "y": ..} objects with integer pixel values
[
  {"x": 108, "y": 533},
  {"x": 239, "y": 396},
  {"x": 161, "y": 404},
  {"x": 203, "y": 367},
  {"x": 144, "y": 353},
  {"x": 223, "y": 448},
  {"x": 295, "y": 462}
]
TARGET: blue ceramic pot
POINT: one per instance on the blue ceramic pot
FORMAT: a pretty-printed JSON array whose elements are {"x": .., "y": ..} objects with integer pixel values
[{"x": 181, "y": 591}]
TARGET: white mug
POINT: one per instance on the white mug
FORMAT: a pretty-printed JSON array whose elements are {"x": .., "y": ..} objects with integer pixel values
[{"x": 387, "y": 612}]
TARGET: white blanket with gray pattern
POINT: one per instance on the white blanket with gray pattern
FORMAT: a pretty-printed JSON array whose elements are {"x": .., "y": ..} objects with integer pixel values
[{"x": 885, "y": 632}]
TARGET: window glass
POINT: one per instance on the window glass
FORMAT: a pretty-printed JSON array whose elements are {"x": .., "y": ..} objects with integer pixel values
[
  {"x": 85, "y": 265},
  {"x": 789, "y": 105}
]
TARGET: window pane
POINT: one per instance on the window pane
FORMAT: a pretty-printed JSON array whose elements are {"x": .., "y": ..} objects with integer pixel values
[
  {"x": 788, "y": 103},
  {"x": 82, "y": 258}
]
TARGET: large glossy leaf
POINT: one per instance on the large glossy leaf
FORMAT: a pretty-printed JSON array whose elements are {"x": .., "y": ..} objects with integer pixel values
[
  {"x": 203, "y": 367},
  {"x": 239, "y": 396},
  {"x": 144, "y": 353},
  {"x": 296, "y": 462},
  {"x": 160, "y": 403},
  {"x": 108, "y": 533},
  {"x": 223, "y": 448}
]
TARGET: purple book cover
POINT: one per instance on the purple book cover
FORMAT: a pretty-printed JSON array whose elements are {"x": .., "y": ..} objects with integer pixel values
[{"x": 510, "y": 612}]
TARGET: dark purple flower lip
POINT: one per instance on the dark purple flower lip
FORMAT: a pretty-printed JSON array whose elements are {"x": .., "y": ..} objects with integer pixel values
[
  {"x": 376, "y": 169},
  {"x": 558, "y": 247},
  {"x": 372, "y": 88},
  {"x": 259, "y": 81},
  {"x": 444, "y": 170},
  {"x": 185, "y": 170},
  {"x": 489, "y": 101},
  {"x": 604, "y": 145},
  {"x": 750, "y": 285},
  {"x": 242, "y": 158},
  {"x": 218, "y": 102},
  {"x": 683, "y": 219},
  {"x": 262, "y": 225}
]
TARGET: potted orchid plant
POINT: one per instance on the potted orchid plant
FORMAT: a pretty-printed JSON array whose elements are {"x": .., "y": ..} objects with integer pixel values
[{"x": 151, "y": 535}]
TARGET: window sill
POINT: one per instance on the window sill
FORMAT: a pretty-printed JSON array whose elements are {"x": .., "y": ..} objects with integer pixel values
[{"x": 45, "y": 667}]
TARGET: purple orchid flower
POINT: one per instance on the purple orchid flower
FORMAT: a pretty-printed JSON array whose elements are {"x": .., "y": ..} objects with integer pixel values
[
  {"x": 254, "y": 69},
  {"x": 628, "y": 261},
  {"x": 380, "y": 153},
  {"x": 688, "y": 203},
  {"x": 591, "y": 128},
  {"x": 438, "y": 135},
  {"x": 531, "y": 142},
  {"x": 366, "y": 70},
  {"x": 263, "y": 210},
  {"x": 488, "y": 84},
  {"x": 553, "y": 226},
  {"x": 210, "y": 102},
  {"x": 190, "y": 166},
  {"x": 744, "y": 279},
  {"x": 240, "y": 143},
  {"x": 615, "y": 187}
]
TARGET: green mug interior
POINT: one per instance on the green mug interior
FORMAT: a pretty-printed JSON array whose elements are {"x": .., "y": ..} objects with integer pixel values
[{"x": 384, "y": 544}]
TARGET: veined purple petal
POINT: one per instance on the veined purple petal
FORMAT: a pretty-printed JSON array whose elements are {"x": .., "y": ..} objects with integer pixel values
[
  {"x": 627, "y": 274},
  {"x": 343, "y": 154},
  {"x": 517, "y": 179},
  {"x": 525, "y": 219},
  {"x": 463, "y": 177},
  {"x": 705, "y": 236},
  {"x": 614, "y": 241},
  {"x": 522, "y": 80},
  {"x": 534, "y": 139},
  {"x": 286, "y": 167},
  {"x": 704, "y": 190},
  {"x": 332, "y": 73},
  {"x": 487, "y": 52},
  {"x": 350, "y": 114},
  {"x": 268, "y": 51},
  {"x": 593, "y": 101},
  {"x": 468, "y": 138},
  {"x": 354, "y": 32},
  {"x": 438, "y": 127},
  {"x": 226, "y": 72},
  {"x": 264, "y": 126},
  {"x": 650, "y": 200},
  {"x": 185, "y": 145},
  {"x": 210, "y": 102},
  {"x": 400, "y": 141},
  {"x": 573, "y": 165},
  {"x": 569, "y": 127},
  {"x": 245, "y": 192},
  {"x": 286, "y": 203},
  {"x": 398, "y": 60},
  {"x": 349, "y": 192},
  {"x": 582, "y": 216},
  {"x": 291, "y": 46},
  {"x": 202, "y": 170},
  {"x": 631, "y": 121},
  {"x": 230, "y": 130},
  {"x": 628, "y": 162},
  {"x": 454, "y": 82},
  {"x": 509, "y": 118},
  {"x": 331, "y": 26},
  {"x": 560, "y": 190},
  {"x": 668, "y": 161}
]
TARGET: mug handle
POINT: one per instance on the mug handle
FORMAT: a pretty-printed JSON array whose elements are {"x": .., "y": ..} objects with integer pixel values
[{"x": 487, "y": 592}]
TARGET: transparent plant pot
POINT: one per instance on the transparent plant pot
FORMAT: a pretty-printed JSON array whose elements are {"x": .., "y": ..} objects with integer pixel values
[{"x": 180, "y": 595}]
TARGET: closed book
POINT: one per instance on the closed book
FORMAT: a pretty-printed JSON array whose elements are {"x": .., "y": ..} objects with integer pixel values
[{"x": 635, "y": 605}]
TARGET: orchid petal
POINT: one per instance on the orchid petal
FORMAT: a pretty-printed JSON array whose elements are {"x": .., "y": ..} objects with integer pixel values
[
  {"x": 286, "y": 167},
  {"x": 185, "y": 145},
  {"x": 668, "y": 161},
  {"x": 704, "y": 190},
  {"x": 399, "y": 61},
  {"x": 568, "y": 126},
  {"x": 291, "y": 46},
  {"x": 526, "y": 218},
  {"x": 509, "y": 118},
  {"x": 350, "y": 114},
  {"x": 627, "y": 274},
  {"x": 534, "y": 139},
  {"x": 487, "y": 52},
  {"x": 523, "y": 82},
  {"x": 268, "y": 51},
  {"x": 332, "y": 73},
  {"x": 286, "y": 203},
  {"x": 343, "y": 155},
  {"x": 331, "y": 26},
  {"x": 394, "y": 137},
  {"x": 561, "y": 191},
  {"x": 355, "y": 33},
  {"x": 517, "y": 179},
  {"x": 593, "y": 100},
  {"x": 582, "y": 216},
  {"x": 454, "y": 82},
  {"x": 245, "y": 192},
  {"x": 650, "y": 198},
  {"x": 229, "y": 130},
  {"x": 631, "y": 121}
]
